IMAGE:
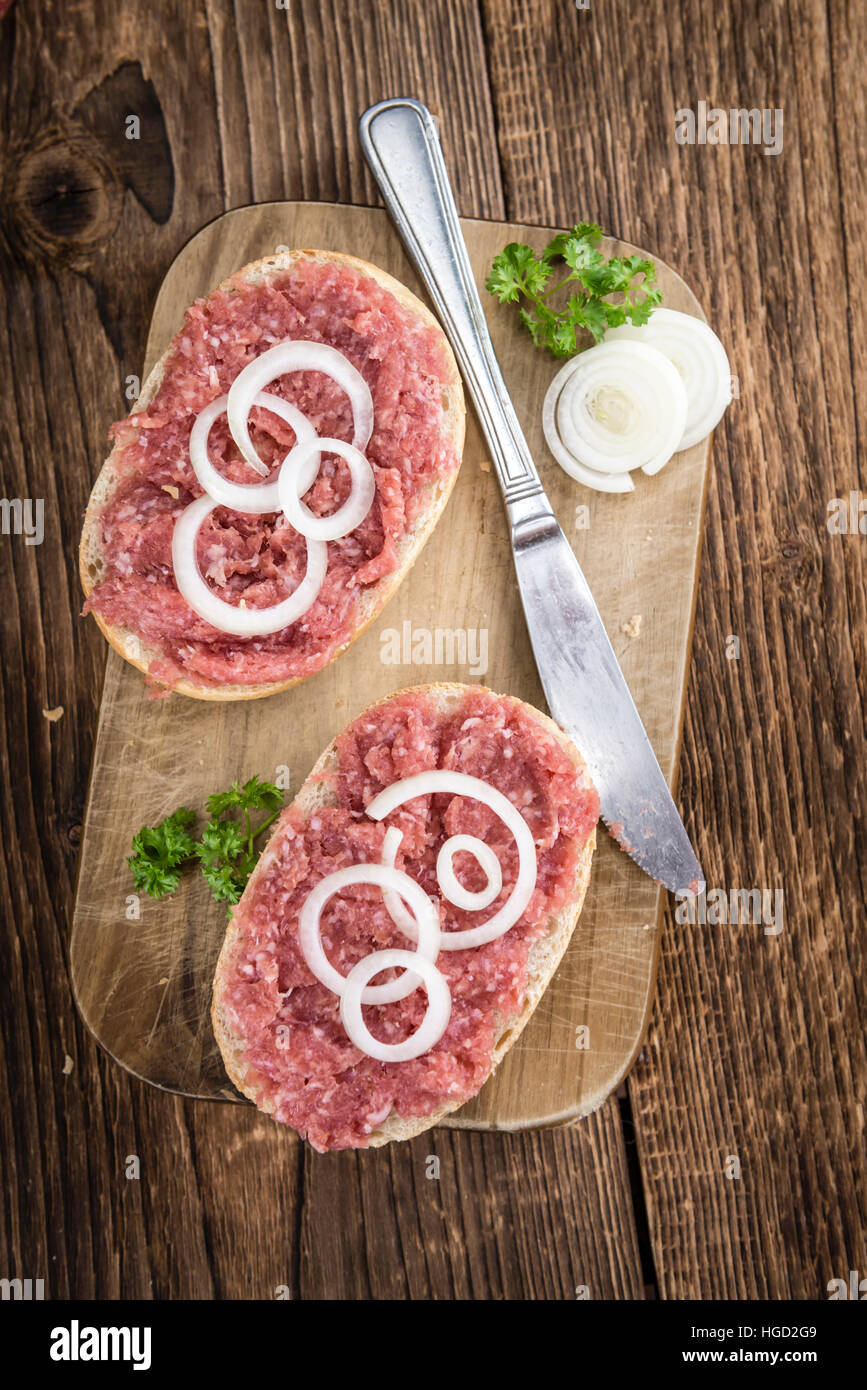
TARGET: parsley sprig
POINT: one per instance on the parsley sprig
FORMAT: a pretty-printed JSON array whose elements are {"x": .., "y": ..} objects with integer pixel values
[
  {"x": 159, "y": 852},
  {"x": 226, "y": 852},
  {"x": 518, "y": 273}
]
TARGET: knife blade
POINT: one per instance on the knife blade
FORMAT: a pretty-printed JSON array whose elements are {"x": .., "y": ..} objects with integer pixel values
[{"x": 584, "y": 686}]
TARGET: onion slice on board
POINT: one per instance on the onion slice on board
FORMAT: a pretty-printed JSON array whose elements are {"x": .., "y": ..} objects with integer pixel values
[
  {"x": 296, "y": 355},
  {"x": 253, "y": 498},
  {"x": 241, "y": 622},
  {"x": 430, "y": 1030},
  {"x": 695, "y": 350},
  {"x": 611, "y": 409},
  {"x": 462, "y": 784},
  {"x": 426, "y": 929}
]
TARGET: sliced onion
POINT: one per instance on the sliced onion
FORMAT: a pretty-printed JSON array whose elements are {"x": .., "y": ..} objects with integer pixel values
[
  {"x": 242, "y": 622},
  {"x": 611, "y": 409},
  {"x": 453, "y": 890},
  {"x": 354, "y": 994},
  {"x": 396, "y": 910},
  {"x": 461, "y": 784},
  {"x": 426, "y": 930},
  {"x": 296, "y": 355},
  {"x": 701, "y": 360},
  {"x": 292, "y": 484},
  {"x": 253, "y": 498}
]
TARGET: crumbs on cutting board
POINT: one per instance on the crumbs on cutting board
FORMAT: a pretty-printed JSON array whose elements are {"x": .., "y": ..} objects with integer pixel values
[
  {"x": 633, "y": 626},
  {"x": 52, "y": 715},
  {"x": 68, "y": 1064}
]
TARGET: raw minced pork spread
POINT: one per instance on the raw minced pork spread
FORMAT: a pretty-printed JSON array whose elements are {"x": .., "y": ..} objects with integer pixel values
[
  {"x": 296, "y": 1054},
  {"x": 261, "y": 559}
]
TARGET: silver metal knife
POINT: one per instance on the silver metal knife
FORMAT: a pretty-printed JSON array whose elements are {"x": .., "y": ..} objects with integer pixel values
[{"x": 583, "y": 683}]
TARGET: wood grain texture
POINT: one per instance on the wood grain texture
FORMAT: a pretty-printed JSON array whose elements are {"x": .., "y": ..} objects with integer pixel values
[
  {"x": 757, "y": 1047},
  {"x": 242, "y": 103},
  {"x": 150, "y": 1007},
  {"x": 757, "y": 1043}
]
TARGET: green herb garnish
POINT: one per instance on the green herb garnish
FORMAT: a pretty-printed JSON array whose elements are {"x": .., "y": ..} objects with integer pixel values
[
  {"x": 518, "y": 273},
  {"x": 159, "y": 852},
  {"x": 226, "y": 851}
]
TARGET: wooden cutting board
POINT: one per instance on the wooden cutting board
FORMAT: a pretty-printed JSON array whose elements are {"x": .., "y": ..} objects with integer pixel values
[{"x": 142, "y": 971}]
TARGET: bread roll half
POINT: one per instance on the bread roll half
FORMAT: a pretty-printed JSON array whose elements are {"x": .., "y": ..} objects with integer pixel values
[
  {"x": 368, "y": 600},
  {"x": 248, "y": 1004}
]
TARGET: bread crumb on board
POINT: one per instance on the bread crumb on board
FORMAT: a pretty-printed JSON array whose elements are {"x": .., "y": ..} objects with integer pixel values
[
  {"x": 68, "y": 1064},
  {"x": 52, "y": 715},
  {"x": 633, "y": 627}
]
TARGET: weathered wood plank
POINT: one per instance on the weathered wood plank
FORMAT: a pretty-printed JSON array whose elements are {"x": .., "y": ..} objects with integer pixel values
[
  {"x": 237, "y": 102},
  {"x": 510, "y": 1216},
  {"x": 757, "y": 1048}
]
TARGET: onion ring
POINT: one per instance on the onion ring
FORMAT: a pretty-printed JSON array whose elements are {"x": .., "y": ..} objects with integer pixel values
[
  {"x": 611, "y": 409},
  {"x": 253, "y": 498},
  {"x": 461, "y": 784},
  {"x": 694, "y": 349},
  {"x": 296, "y": 355},
  {"x": 291, "y": 486},
  {"x": 426, "y": 924},
  {"x": 432, "y": 1027},
  {"x": 242, "y": 622}
]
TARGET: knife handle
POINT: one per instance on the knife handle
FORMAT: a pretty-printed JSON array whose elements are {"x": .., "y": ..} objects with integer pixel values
[{"x": 400, "y": 141}]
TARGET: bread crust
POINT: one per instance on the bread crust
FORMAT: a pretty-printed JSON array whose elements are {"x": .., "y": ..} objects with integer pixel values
[
  {"x": 373, "y": 599},
  {"x": 544, "y": 955}
]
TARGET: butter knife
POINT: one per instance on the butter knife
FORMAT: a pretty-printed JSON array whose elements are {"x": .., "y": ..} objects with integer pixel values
[{"x": 584, "y": 686}]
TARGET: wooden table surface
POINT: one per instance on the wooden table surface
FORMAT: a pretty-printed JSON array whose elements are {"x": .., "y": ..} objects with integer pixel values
[{"x": 733, "y": 1162}]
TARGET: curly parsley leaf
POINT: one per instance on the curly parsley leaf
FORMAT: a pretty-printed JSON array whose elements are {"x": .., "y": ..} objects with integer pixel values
[
  {"x": 225, "y": 853},
  {"x": 518, "y": 273},
  {"x": 160, "y": 851},
  {"x": 226, "y": 859},
  {"x": 253, "y": 796}
]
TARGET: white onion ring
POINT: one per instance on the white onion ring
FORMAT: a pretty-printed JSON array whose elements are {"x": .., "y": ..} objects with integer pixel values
[
  {"x": 353, "y": 995},
  {"x": 396, "y": 910},
  {"x": 695, "y": 350},
  {"x": 644, "y": 398},
  {"x": 417, "y": 915},
  {"x": 461, "y": 784},
  {"x": 296, "y": 355},
  {"x": 297, "y": 474},
  {"x": 292, "y": 484},
  {"x": 453, "y": 890},
  {"x": 242, "y": 622},
  {"x": 426, "y": 929},
  {"x": 253, "y": 498}
]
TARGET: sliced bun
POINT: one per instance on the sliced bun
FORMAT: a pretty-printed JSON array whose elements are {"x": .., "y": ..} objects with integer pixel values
[
  {"x": 91, "y": 563},
  {"x": 545, "y": 954}
]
